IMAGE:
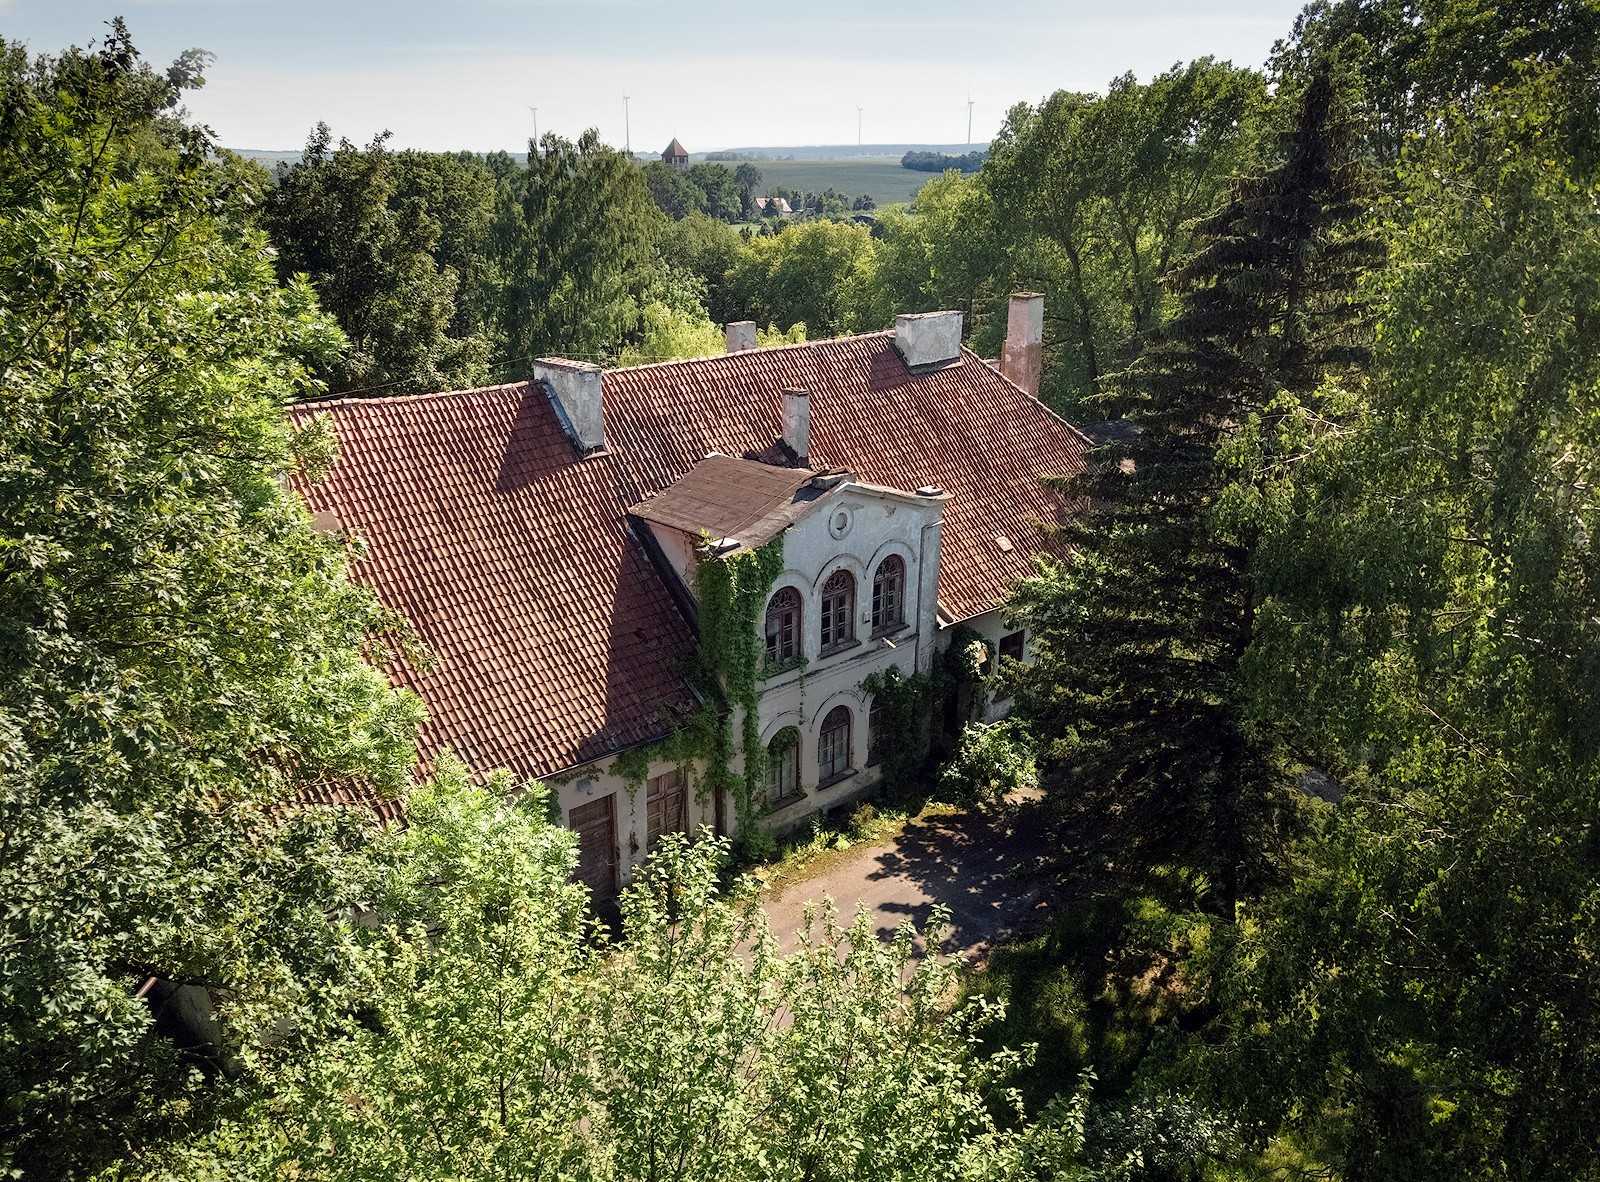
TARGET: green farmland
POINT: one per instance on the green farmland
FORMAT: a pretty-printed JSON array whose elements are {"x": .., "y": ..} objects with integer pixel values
[{"x": 882, "y": 177}]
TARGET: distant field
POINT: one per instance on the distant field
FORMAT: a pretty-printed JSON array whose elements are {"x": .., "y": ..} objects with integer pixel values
[{"x": 881, "y": 177}]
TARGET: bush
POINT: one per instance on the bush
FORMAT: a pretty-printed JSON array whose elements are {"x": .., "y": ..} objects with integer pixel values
[
  {"x": 862, "y": 818},
  {"x": 754, "y": 845},
  {"x": 991, "y": 762}
]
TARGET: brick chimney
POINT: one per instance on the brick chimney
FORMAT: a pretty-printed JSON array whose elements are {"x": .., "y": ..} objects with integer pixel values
[
  {"x": 797, "y": 421},
  {"x": 740, "y": 335},
  {"x": 574, "y": 388},
  {"x": 1023, "y": 356}
]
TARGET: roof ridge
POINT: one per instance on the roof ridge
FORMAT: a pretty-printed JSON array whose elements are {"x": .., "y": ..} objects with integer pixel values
[
  {"x": 336, "y": 400},
  {"x": 851, "y": 336}
]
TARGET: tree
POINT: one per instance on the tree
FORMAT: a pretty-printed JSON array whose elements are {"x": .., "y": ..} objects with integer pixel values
[
  {"x": 501, "y": 1040},
  {"x": 716, "y": 182},
  {"x": 1419, "y": 1001},
  {"x": 1418, "y": 56},
  {"x": 673, "y": 192},
  {"x": 708, "y": 250},
  {"x": 939, "y": 252},
  {"x": 748, "y": 177},
  {"x": 183, "y": 651},
  {"x": 1138, "y": 691},
  {"x": 816, "y": 272},
  {"x": 1097, "y": 196},
  {"x": 574, "y": 252},
  {"x": 364, "y": 225}
]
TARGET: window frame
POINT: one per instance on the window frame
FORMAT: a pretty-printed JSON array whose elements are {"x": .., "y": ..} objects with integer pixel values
[
  {"x": 836, "y": 615},
  {"x": 834, "y": 739},
  {"x": 785, "y": 601},
  {"x": 787, "y": 758},
  {"x": 891, "y": 589}
]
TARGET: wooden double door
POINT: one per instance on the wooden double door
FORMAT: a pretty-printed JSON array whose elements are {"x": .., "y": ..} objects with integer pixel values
[{"x": 595, "y": 823}]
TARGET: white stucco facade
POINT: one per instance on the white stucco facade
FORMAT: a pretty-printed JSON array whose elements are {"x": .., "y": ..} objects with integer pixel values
[{"x": 855, "y": 528}]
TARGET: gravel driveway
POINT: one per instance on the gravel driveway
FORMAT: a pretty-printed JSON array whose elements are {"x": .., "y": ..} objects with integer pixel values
[{"x": 985, "y": 871}]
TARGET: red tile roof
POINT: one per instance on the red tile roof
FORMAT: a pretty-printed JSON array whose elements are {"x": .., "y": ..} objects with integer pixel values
[
  {"x": 555, "y": 641},
  {"x": 962, "y": 427}
]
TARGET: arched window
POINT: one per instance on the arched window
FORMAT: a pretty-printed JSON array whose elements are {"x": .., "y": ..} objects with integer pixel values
[
  {"x": 838, "y": 610},
  {"x": 876, "y": 721},
  {"x": 833, "y": 746},
  {"x": 889, "y": 594},
  {"x": 783, "y": 765},
  {"x": 783, "y": 627}
]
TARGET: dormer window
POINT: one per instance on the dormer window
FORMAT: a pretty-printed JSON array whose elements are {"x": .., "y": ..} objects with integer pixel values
[
  {"x": 783, "y": 628},
  {"x": 889, "y": 594},
  {"x": 838, "y": 610}
]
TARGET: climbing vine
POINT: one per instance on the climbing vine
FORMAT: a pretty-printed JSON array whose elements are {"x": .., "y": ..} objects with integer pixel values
[
  {"x": 733, "y": 592},
  {"x": 908, "y": 708}
]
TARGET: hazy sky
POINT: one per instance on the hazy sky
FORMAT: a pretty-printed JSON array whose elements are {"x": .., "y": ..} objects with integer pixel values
[{"x": 717, "y": 73}]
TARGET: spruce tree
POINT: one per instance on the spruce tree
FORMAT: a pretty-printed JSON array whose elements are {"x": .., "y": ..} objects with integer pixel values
[{"x": 1137, "y": 694}]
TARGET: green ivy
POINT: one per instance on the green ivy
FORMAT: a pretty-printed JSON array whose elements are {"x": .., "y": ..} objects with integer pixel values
[{"x": 732, "y": 594}]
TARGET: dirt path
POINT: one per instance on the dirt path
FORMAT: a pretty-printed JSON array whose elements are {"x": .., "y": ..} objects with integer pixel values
[{"x": 984, "y": 871}]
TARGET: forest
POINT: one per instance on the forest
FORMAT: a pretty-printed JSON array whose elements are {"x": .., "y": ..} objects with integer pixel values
[{"x": 1315, "y": 709}]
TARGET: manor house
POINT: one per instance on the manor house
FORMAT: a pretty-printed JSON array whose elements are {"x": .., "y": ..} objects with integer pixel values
[{"x": 542, "y": 537}]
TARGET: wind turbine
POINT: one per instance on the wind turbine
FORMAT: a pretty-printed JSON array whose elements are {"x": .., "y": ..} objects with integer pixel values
[
  {"x": 969, "y": 119},
  {"x": 627, "y": 127},
  {"x": 858, "y": 126},
  {"x": 535, "y": 111}
]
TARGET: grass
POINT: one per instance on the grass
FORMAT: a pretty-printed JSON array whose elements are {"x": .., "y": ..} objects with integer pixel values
[
  {"x": 816, "y": 850},
  {"x": 880, "y": 177},
  {"x": 1094, "y": 990}
]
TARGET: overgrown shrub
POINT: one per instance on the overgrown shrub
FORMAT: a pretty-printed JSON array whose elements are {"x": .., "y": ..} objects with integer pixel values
[{"x": 991, "y": 761}]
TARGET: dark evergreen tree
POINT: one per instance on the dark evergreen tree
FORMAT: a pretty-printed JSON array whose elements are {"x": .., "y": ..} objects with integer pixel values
[{"x": 1137, "y": 695}]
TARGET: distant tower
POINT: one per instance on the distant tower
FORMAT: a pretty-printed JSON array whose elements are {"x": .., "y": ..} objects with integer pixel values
[
  {"x": 675, "y": 155},
  {"x": 969, "y": 121}
]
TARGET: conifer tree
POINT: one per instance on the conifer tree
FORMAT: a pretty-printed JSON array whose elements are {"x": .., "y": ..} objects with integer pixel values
[{"x": 1137, "y": 695}]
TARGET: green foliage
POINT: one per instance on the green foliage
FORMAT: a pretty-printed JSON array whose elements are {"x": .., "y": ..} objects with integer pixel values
[
  {"x": 815, "y": 272},
  {"x": 1415, "y": 57},
  {"x": 182, "y": 650},
  {"x": 991, "y": 762},
  {"x": 1096, "y": 196},
  {"x": 669, "y": 333},
  {"x": 1137, "y": 691},
  {"x": 1418, "y": 1002},
  {"x": 732, "y": 594},
  {"x": 366, "y": 226},
  {"x": 572, "y": 251},
  {"x": 498, "y": 1040},
  {"x": 902, "y": 707}
]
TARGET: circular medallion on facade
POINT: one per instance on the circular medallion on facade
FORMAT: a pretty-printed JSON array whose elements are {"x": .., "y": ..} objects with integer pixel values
[{"x": 839, "y": 521}]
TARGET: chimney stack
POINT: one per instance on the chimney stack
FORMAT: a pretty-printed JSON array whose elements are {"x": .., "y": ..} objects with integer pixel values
[
  {"x": 575, "y": 390},
  {"x": 926, "y": 339},
  {"x": 797, "y": 421},
  {"x": 1023, "y": 357},
  {"x": 740, "y": 335}
]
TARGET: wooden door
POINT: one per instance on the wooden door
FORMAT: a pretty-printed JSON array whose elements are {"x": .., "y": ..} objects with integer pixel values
[
  {"x": 665, "y": 806},
  {"x": 596, "y": 826}
]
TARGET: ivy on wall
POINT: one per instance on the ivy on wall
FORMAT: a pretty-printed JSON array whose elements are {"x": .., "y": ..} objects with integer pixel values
[
  {"x": 909, "y": 707},
  {"x": 732, "y": 591}
]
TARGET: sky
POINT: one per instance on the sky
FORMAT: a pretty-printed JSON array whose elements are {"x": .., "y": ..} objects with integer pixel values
[{"x": 447, "y": 74}]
